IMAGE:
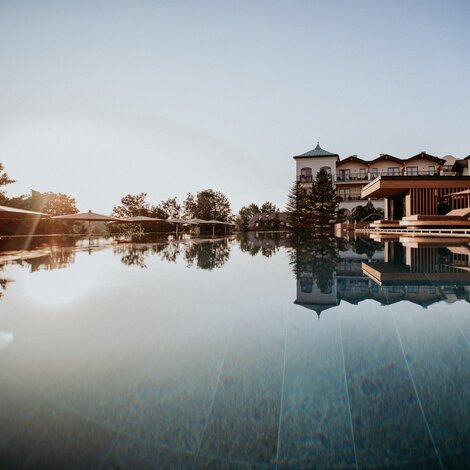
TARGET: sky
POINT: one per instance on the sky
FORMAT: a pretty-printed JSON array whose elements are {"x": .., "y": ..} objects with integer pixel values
[{"x": 99, "y": 99}]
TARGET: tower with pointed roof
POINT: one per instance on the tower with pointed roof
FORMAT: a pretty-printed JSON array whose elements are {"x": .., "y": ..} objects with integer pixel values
[{"x": 310, "y": 163}]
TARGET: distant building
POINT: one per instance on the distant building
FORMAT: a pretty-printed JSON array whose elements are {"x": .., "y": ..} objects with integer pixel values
[{"x": 353, "y": 173}]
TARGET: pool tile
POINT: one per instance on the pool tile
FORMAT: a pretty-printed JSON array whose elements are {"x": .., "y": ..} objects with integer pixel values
[
  {"x": 55, "y": 438},
  {"x": 384, "y": 405},
  {"x": 315, "y": 423},
  {"x": 439, "y": 360},
  {"x": 244, "y": 421},
  {"x": 128, "y": 452}
]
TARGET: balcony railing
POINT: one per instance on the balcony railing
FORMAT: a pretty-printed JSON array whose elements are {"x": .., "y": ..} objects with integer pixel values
[
  {"x": 305, "y": 178},
  {"x": 353, "y": 197},
  {"x": 352, "y": 177}
]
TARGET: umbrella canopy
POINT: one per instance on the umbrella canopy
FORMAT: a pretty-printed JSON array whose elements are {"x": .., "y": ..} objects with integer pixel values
[
  {"x": 216, "y": 222},
  {"x": 142, "y": 219},
  {"x": 178, "y": 221},
  {"x": 13, "y": 213},
  {"x": 199, "y": 221},
  {"x": 87, "y": 217}
]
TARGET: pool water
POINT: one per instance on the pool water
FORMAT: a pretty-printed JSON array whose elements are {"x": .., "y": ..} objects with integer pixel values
[{"x": 257, "y": 352}]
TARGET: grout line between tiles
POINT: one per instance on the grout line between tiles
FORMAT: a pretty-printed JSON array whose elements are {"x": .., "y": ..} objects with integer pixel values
[
  {"x": 416, "y": 393},
  {"x": 282, "y": 393},
  {"x": 347, "y": 391},
  {"x": 219, "y": 373}
]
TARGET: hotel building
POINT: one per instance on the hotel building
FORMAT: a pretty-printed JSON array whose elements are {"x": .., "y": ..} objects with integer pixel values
[{"x": 352, "y": 174}]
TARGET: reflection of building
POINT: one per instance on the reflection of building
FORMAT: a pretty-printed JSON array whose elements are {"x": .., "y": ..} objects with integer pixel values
[
  {"x": 423, "y": 274},
  {"x": 419, "y": 274},
  {"x": 310, "y": 296},
  {"x": 352, "y": 174}
]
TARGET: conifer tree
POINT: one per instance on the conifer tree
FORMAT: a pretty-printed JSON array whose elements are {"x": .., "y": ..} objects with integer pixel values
[
  {"x": 325, "y": 201},
  {"x": 299, "y": 207}
]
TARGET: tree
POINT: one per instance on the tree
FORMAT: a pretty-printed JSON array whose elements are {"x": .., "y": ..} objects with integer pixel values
[
  {"x": 299, "y": 207},
  {"x": 52, "y": 203},
  {"x": 208, "y": 205},
  {"x": 368, "y": 212},
  {"x": 169, "y": 208},
  {"x": 325, "y": 201},
  {"x": 269, "y": 208},
  {"x": 4, "y": 180},
  {"x": 132, "y": 206},
  {"x": 245, "y": 214}
]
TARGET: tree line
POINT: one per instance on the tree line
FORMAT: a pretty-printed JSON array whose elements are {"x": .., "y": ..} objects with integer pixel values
[{"x": 310, "y": 208}]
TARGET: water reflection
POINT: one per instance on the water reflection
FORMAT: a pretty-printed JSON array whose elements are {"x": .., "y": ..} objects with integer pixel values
[
  {"x": 155, "y": 365},
  {"x": 329, "y": 271}
]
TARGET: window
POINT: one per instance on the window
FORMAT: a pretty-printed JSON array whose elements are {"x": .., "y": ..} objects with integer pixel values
[
  {"x": 412, "y": 171},
  {"x": 344, "y": 175},
  {"x": 431, "y": 169},
  {"x": 375, "y": 172},
  {"x": 362, "y": 173},
  {"x": 393, "y": 171},
  {"x": 306, "y": 175},
  {"x": 327, "y": 169},
  {"x": 344, "y": 193}
]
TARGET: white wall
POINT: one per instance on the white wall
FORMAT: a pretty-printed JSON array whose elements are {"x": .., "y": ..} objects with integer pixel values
[{"x": 315, "y": 163}]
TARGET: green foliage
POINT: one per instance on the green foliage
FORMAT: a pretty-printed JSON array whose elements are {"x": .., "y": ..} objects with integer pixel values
[
  {"x": 268, "y": 208},
  {"x": 132, "y": 206},
  {"x": 299, "y": 208},
  {"x": 208, "y": 205},
  {"x": 368, "y": 212},
  {"x": 313, "y": 208},
  {"x": 245, "y": 214},
  {"x": 169, "y": 208},
  {"x": 50, "y": 203},
  {"x": 4, "y": 180},
  {"x": 325, "y": 201}
]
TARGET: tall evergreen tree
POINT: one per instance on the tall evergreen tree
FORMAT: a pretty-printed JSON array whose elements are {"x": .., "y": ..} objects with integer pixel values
[
  {"x": 299, "y": 207},
  {"x": 325, "y": 201}
]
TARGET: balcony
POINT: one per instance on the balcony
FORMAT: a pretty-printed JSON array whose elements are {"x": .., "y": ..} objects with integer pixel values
[
  {"x": 305, "y": 179},
  {"x": 352, "y": 197},
  {"x": 352, "y": 176}
]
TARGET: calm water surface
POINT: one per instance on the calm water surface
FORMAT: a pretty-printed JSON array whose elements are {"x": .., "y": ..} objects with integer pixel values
[{"x": 252, "y": 353}]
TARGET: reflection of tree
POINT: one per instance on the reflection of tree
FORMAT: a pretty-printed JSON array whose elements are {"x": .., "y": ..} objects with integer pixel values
[
  {"x": 57, "y": 259},
  {"x": 135, "y": 257},
  {"x": 367, "y": 247},
  {"x": 170, "y": 252},
  {"x": 205, "y": 254},
  {"x": 3, "y": 286},
  {"x": 257, "y": 242},
  {"x": 208, "y": 254},
  {"x": 314, "y": 259}
]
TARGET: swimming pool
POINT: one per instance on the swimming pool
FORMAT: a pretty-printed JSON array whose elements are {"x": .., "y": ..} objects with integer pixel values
[{"x": 258, "y": 352}]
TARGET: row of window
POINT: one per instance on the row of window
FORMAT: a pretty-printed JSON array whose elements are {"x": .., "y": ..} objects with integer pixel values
[{"x": 347, "y": 174}]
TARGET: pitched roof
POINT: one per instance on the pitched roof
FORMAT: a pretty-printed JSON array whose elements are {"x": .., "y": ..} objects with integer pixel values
[
  {"x": 425, "y": 156},
  {"x": 317, "y": 152},
  {"x": 386, "y": 156},
  {"x": 353, "y": 158}
]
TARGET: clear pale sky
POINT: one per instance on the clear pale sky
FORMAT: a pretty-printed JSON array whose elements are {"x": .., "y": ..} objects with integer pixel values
[{"x": 102, "y": 99}]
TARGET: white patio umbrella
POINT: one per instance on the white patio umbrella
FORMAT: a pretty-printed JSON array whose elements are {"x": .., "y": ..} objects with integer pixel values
[{"x": 87, "y": 217}]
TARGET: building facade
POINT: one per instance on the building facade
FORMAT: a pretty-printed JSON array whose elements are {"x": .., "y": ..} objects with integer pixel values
[{"x": 352, "y": 174}]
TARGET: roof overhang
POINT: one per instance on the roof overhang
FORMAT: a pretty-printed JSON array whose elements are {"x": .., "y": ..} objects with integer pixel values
[{"x": 388, "y": 186}]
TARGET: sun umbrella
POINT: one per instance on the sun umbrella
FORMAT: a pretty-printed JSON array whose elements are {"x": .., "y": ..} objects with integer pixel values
[
  {"x": 87, "y": 217},
  {"x": 141, "y": 219},
  {"x": 13, "y": 213}
]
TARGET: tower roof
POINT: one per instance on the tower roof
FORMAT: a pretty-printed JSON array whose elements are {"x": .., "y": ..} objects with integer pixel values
[{"x": 317, "y": 152}]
